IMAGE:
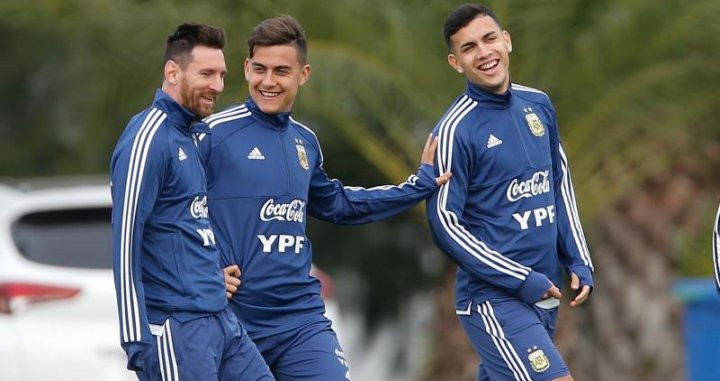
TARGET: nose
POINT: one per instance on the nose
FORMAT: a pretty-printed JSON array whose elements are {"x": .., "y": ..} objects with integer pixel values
[
  {"x": 483, "y": 51},
  {"x": 268, "y": 78},
  {"x": 217, "y": 84}
]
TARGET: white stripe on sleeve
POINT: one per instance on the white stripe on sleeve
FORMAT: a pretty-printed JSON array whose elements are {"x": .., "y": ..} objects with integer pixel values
[
  {"x": 449, "y": 219},
  {"x": 130, "y": 319}
]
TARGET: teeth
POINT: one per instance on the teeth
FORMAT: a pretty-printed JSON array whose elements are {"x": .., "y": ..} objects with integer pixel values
[
  {"x": 489, "y": 65},
  {"x": 268, "y": 94}
]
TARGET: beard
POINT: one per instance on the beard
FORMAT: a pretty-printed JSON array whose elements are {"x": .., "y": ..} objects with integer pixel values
[{"x": 192, "y": 101}]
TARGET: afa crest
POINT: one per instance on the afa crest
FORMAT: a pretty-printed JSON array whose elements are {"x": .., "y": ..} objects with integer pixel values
[
  {"x": 302, "y": 155},
  {"x": 535, "y": 124},
  {"x": 538, "y": 359}
]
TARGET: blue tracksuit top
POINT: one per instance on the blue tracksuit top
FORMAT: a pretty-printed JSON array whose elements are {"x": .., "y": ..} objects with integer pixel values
[
  {"x": 165, "y": 259},
  {"x": 508, "y": 216},
  {"x": 265, "y": 173}
]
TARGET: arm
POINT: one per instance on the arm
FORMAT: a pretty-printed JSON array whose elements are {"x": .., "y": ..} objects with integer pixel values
[
  {"x": 136, "y": 175},
  {"x": 329, "y": 200},
  {"x": 573, "y": 251},
  {"x": 450, "y": 231}
]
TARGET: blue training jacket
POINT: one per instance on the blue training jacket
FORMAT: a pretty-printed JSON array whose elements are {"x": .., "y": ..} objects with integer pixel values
[
  {"x": 265, "y": 174},
  {"x": 165, "y": 259},
  {"x": 508, "y": 217}
]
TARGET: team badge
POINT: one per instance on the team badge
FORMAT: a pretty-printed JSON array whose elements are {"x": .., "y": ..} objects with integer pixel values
[
  {"x": 302, "y": 155},
  {"x": 538, "y": 359},
  {"x": 535, "y": 124}
]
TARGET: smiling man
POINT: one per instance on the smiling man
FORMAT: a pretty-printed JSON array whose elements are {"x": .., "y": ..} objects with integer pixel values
[
  {"x": 265, "y": 175},
  {"x": 174, "y": 320},
  {"x": 508, "y": 218}
]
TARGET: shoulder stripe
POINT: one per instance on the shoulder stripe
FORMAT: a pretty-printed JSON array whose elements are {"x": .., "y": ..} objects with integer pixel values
[
  {"x": 224, "y": 113},
  {"x": 239, "y": 114},
  {"x": 449, "y": 219},
  {"x": 502, "y": 344},
  {"x": 716, "y": 249},
  {"x": 130, "y": 317},
  {"x": 225, "y": 116},
  {"x": 568, "y": 196},
  {"x": 515, "y": 86}
]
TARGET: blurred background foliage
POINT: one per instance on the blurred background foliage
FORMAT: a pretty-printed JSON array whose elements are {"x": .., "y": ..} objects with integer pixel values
[{"x": 636, "y": 84}]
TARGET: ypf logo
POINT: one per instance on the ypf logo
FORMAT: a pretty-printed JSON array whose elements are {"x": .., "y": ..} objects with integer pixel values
[
  {"x": 293, "y": 211},
  {"x": 198, "y": 208},
  {"x": 536, "y": 185}
]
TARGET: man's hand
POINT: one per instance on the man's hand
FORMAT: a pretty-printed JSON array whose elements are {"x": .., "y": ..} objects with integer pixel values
[
  {"x": 428, "y": 156},
  {"x": 232, "y": 280},
  {"x": 582, "y": 294},
  {"x": 553, "y": 292}
]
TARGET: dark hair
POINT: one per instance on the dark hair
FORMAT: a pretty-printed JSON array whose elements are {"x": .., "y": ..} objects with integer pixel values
[
  {"x": 189, "y": 35},
  {"x": 463, "y": 15},
  {"x": 280, "y": 30}
]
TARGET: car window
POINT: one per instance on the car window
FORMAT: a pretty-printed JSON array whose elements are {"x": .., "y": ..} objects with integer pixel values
[{"x": 73, "y": 238}]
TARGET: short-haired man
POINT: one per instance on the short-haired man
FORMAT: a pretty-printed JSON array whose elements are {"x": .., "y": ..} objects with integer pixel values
[
  {"x": 174, "y": 320},
  {"x": 508, "y": 218},
  {"x": 265, "y": 172}
]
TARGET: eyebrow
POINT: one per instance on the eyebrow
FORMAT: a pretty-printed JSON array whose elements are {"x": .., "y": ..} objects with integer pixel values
[
  {"x": 261, "y": 66},
  {"x": 471, "y": 43}
]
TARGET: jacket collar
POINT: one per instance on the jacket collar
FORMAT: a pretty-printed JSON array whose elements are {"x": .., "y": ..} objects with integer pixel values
[
  {"x": 178, "y": 115},
  {"x": 280, "y": 121},
  {"x": 487, "y": 98}
]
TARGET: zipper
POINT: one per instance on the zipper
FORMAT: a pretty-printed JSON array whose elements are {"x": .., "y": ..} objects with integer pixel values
[
  {"x": 285, "y": 163},
  {"x": 520, "y": 136}
]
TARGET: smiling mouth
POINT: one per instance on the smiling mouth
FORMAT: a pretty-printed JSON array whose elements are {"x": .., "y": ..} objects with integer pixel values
[
  {"x": 269, "y": 94},
  {"x": 489, "y": 65}
]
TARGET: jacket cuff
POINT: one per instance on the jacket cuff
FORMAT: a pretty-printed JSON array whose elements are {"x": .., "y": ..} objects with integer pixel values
[
  {"x": 585, "y": 275},
  {"x": 426, "y": 174},
  {"x": 137, "y": 353},
  {"x": 534, "y": 287}
]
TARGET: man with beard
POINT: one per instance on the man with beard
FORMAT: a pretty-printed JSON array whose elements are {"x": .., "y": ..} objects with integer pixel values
[{"x": 174, "y": 321}]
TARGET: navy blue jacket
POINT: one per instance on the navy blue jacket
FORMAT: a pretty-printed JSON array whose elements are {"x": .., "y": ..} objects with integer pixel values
[
  {"x": 265, "y": 174},
  {"x": 508, "y": 217},
  {"x": 165, "y": 259}
]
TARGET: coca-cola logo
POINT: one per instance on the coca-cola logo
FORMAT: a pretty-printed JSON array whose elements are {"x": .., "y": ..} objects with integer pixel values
[
  {"x": 538, "y": 184},
  {"x": 293, "y": 211},
  {"x": 198, "y": 208}
]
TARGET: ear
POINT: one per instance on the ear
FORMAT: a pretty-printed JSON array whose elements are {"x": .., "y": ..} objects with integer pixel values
[
  {"x": 172, "y": 72},
  {"x": 304, "y": 74},
  {"x": 453, "y": 62},
  {"x": 246, "y": 69},
  {"x": 508, "y": 40}
]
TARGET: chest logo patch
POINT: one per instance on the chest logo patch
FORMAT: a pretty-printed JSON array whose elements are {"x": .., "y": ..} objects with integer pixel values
[
  {"x": 255, "y": 154},
  {"x": 302, "y": 155},
  {"x": 538, "y": 359},
  {"x": 181, "y": 154},
  {"x": 493, "y": 141},
  {"x": 535, "y": 124}
]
